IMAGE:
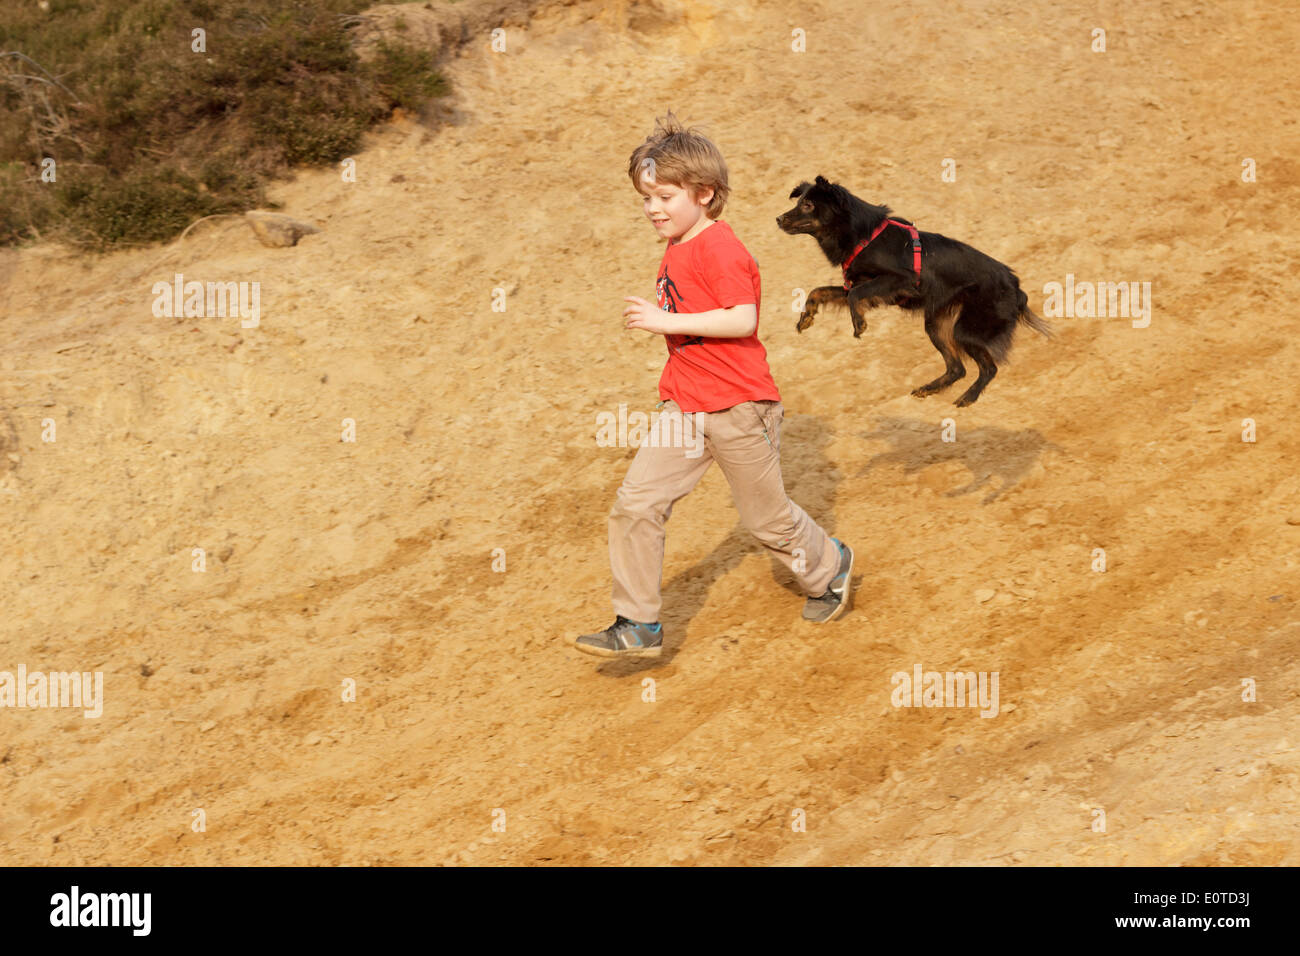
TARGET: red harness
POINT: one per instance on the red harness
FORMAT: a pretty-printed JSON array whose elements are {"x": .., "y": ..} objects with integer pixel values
[{"x": 916, "y": 249}]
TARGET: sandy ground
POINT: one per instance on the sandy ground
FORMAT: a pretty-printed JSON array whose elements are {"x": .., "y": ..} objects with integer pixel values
[{"x": 372, "y": 561}]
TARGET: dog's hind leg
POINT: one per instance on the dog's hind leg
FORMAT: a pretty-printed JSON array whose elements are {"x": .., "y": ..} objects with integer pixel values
[
  {"x": 939, "y": 325},
  {"x": 982, "y": 336},
  {"x": 988, "y": 369}
]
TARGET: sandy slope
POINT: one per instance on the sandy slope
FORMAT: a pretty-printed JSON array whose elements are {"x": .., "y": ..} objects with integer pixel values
[{"x": 373, "y": 560}]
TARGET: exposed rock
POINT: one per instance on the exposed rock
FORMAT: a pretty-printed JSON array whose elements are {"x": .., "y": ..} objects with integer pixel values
[{"x": 276, "y": 230}]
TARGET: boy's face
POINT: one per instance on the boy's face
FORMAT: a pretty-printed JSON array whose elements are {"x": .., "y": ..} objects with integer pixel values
[{"x": 677, "y": 214}]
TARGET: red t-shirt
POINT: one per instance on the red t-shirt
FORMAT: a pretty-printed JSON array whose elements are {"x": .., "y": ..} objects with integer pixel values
[{"x": 705, "y": 374}]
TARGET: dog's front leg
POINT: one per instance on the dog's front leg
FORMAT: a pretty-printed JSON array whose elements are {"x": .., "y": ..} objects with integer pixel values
[
  {"x": 822, "y": 295},
  {"x": 869, "y": 294}
]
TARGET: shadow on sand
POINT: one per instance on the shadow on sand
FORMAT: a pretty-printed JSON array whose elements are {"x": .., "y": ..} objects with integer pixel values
[{"x": 987, "y": 452}]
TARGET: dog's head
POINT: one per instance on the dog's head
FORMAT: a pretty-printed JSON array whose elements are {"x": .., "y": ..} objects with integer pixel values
[{"x": 819, "y": 207}]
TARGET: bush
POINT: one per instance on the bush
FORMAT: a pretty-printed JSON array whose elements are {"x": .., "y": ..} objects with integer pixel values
[
  {"x": 405, "y": 76},
  {"x": 149, "y": 135},
  {"x": 144, "y": 205}
]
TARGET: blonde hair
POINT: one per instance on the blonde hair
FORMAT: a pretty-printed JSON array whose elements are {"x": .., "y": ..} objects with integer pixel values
[{"x": 684, "y": 158}]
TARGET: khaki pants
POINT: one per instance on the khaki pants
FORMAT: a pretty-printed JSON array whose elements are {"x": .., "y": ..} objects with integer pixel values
[{"x": 745, "y": 441}]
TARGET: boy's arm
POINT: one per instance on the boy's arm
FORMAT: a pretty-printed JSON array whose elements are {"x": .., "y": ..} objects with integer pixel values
[{"x": 735, "y": 322}]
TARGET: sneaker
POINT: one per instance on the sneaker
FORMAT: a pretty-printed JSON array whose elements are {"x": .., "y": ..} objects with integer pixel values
[
  {"x": 624, "y": 638},
  {"x": 831, "y": 605}
]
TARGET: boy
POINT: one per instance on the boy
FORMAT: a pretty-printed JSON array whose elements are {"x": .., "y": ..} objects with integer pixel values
[{"x": 716, "y": 383}]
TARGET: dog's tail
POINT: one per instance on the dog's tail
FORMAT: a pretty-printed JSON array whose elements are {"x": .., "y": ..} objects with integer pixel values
[
  {"x": 1030, "y": 318},
  {"x": 1035, "y": 322}
]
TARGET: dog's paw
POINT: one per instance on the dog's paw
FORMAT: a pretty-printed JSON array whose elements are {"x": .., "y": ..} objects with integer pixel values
[
  {"x": 805, "y": 320},
  {"x": 924, "y": 391},
  {"x": 965, "y": 400}
]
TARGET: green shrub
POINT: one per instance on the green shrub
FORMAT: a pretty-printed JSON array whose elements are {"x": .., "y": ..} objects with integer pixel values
[
  {"x": 405, "y": 76},
  {"x": 149, "y": 135},
  {"x": 146, "y": 204}
]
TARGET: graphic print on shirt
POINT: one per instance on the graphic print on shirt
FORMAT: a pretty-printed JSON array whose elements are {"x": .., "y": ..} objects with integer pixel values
[
  {"x": 667, "y": 293},
  {"x": 668, "y": 299}
]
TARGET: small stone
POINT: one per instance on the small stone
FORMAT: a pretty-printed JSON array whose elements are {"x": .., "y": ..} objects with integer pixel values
[
  {"x": 1036, "y": 519},
  {"x": 276, "y": 230},
  {"x": 984, "y": 595},
  {"x": 207, "y": 725}
]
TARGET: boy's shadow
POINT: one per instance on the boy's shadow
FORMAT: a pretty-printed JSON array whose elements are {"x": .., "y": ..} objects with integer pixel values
[
  {"x": 986, "y": 452},
  {"x": 810, "y": 480}
]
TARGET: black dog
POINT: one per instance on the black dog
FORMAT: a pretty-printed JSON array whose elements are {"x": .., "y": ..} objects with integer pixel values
[{"x": 972, "y": 302}]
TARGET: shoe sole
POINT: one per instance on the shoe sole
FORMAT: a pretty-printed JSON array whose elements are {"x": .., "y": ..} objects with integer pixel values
[
  {"x": 848, "y": 590},
  {"x": 637, "y": 652}
]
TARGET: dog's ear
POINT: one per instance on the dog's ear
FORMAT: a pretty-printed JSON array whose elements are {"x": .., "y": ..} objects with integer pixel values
[
  {"x": 821, "y": 181},
  {"x": 799, "y": 190}
]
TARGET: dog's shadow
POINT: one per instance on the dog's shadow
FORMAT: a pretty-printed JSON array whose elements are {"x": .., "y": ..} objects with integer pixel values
[
  {"x": 810, "y": 480},
  {"x": 987, "y": 452}
]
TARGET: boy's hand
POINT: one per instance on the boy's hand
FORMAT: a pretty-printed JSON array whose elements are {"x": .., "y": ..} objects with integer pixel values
[{"x": 643, "y": 315}]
